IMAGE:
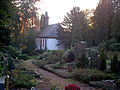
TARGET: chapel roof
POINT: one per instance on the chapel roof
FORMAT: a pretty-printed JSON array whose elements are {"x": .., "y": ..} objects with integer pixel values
[{"x": 49, "y": 31}]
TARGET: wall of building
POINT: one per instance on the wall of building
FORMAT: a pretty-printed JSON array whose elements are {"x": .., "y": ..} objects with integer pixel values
[{"x": 48, "y": 44}]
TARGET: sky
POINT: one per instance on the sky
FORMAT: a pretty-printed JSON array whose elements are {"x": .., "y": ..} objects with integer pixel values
[{"x": 57, "y": 9}]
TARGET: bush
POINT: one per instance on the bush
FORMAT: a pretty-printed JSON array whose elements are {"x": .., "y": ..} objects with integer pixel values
[
  {"x": 11, "y": 51},
  {"x": 87, "y": 75},
  {"x": 23, "y": 56},
  {"x": 34, "y": 57},
  {"x": 10, "y": 63},
  {"x": 52, "y": 59},
  {"x": 44, "y": 55},
  {"x": 83, "y": 61},
  {"x": 114, "y": 63},
  {"x": 103, "y": 58},
  {"x": 56, "y": 66},
  {"x": 52, "y": 56},
  {"x": 40, "y": 63},
  {"x": 115, "y": 47},
  {"x": 23, "y": 80},
  {"x": 59, "y": 72}
]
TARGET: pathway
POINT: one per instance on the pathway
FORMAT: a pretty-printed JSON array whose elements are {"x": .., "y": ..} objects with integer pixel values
[{"x": 54, "y": 79}]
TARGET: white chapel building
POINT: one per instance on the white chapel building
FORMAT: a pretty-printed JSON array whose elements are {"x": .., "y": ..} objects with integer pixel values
[{"x": 48, "y": 39}]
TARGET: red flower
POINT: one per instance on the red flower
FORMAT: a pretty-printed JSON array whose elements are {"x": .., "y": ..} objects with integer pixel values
[{"x": 72, "y": 87}]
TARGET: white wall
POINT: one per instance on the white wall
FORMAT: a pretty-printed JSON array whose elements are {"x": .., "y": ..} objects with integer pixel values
[{"x": 51, "y": 44}]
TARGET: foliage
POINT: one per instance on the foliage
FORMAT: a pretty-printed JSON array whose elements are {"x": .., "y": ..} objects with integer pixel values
[
  {"x": 10, "y": 63},
  {"x": 40, "y": 63},
  {"x": 115, "y": 47},
  {"x": 36, "y": 57},
  {"x": 114, "y": 63},
  {"x": 30, "y": 48},
  {"x": 4, "y": 37},
  {"x": 83, "y": 61},
  {"x": 116, "y": 26},
  {"x": 11, "y": 50},
  {"x": 52, "y": 59},
  {"x": 11, "y": 53},
  {"x": 60, "y": 72},
  {"x": 102, "y": 57},
  {"x": 52, "y": 56},
  {"x": 68, "y": 56},
  {"x": 28, "y": 23},
  {"x": 106, "y": 24},
  {"x": 74, "y": 23},
  {"x": 105, "y": 84},
  {"x": 23, "y": 56},
  {"x": 109, "y": 43},
  {"x": 9, "y": 23},
  {"x": 45, "y": 54},
  {"x": 59, "y": 54},
  {"x": 87, "y": 75},
  {"x": 23, "y": 80}
]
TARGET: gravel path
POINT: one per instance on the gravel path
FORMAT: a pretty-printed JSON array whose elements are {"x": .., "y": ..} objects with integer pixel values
[{"x": 59, "y": 82}]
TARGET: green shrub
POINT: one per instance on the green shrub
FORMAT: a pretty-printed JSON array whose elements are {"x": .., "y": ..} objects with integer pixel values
[
  {"x": 44, "y": 55},
  {"x": 87, "y": 75},
  {"x": 83, "y": 61},
  {"x": 114, "y": 63},
  {"x": 52, "y": 56},
  {"x": 59, "y": 72},
  {"x": 34, "y": 57},
  {"x": 115, "y": 47},
  {"x": 103, "y": 58},
  {"x": 10, "y": 63},
  {"x": 56, "y": 66},
  {"x": 11, "y": 51},
  {"x": 40, "y": 63},
  {"x": 68, "y": 56},
  {"x": 52, "y": 59},
  {"x": 23, "y": 56},
  {"x": 23, "y": 80}
]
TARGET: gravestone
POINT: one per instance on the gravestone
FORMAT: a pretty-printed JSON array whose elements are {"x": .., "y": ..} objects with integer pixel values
[{"x": 2, "y": 82}]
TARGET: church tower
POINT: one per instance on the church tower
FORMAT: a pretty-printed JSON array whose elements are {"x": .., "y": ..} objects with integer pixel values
[{"x": 44, "y": 20}]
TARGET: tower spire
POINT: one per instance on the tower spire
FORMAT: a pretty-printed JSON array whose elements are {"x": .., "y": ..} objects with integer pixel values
[{"x": 44, "y": 20}]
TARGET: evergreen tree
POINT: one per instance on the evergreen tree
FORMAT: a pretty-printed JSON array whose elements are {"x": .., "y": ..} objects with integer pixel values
[
  {"x": 30, "y": 42},
  {"x": 116, "y": 26},
  {"x": 28, "y": 21},
  {"x": 7, "y": 13},
  {"x": 74, "y": 23},
  {"x": 102, "y": 20},
  {"x": 106, "y": 24}
]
